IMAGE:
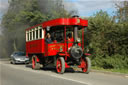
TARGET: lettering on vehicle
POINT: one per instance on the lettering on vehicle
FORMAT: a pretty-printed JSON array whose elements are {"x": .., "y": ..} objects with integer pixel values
[{"x": 33, "y": 45}]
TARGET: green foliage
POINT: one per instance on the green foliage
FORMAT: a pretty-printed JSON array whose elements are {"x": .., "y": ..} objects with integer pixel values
[
  {"x": 116, "y": 61},
  {"x": 98, "y": 27},
  {"x": 108, "y": 41}
]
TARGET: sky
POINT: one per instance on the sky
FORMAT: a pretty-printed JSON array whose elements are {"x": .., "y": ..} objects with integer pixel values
[
  {"x": 85, "y": 8},
  {"x": 3, "y": 7}
]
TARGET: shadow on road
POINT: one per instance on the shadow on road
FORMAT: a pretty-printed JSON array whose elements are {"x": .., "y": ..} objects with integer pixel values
[
  {"x": 46, "y": 68},
  {"x": 53, "y": 69}
]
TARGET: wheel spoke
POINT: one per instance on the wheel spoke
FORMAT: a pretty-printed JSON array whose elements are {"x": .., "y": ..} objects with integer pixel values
[
  {"x": 33, "y": 63},
  {"x": 84, "y": 65},
  {"x": 58, "y": 65}
]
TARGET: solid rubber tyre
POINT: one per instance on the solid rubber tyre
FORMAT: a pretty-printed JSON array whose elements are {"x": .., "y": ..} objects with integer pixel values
[
  {"x": 60, "y": 65},
  {"x": 35, "y": 64},
  {"x": 88, "y": 65}
]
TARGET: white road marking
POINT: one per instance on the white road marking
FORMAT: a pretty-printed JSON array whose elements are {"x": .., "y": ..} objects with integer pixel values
[
  {"x": 45, "y": 73},
  {"x": 126, "y": 76},
  {"x": 70, "y": 79}
]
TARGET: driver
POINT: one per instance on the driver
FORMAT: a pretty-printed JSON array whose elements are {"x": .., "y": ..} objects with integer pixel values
[{"x": 48, "y": 38}]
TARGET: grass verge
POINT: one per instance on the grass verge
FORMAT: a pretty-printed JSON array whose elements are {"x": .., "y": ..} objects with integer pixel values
[{"x": 124, "y": 71}]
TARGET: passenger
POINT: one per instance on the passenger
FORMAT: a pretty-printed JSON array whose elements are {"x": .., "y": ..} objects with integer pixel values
[
  {"x": 54, "y": 39},
  {"x": 70, "y": 38},
  {"x": 48, "y": 38}
]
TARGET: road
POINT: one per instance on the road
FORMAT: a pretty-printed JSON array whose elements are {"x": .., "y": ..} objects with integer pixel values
[{"x": 22, "y": 75}]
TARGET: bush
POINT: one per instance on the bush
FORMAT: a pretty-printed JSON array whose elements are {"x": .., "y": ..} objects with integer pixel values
[{"x": 111, "y": 62}]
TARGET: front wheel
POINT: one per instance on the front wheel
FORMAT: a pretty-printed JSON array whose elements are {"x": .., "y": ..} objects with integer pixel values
[
  {"x": 12, "y": 61},
  {"x": 60, "y": 65},
  {"x": 87, "y": 65}
]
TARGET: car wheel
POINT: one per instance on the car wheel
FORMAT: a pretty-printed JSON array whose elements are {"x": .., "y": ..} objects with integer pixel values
[{"x": 13, "y": 62}]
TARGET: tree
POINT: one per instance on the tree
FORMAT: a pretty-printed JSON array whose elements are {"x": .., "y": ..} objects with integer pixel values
[
  {"x": 108, "y": 41},
  {"x": 122, "y": 11},
  {"x": 23, "y": 14}
]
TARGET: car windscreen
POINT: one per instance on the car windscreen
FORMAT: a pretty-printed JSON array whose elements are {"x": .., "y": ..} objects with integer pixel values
[{"x": 20, "y": 54}]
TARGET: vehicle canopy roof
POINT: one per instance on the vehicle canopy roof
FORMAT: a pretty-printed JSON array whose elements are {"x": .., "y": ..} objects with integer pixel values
[{"x": 62, "y": 21}]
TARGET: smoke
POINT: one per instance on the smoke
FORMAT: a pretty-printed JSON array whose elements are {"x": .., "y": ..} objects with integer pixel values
[
  {"x": 71, "y": 7},
  {"x": 0, "y": 30},
  {"x": 12, "y": 33},
  {"x": 3, "y": 6},
  {"x": 46, "y": 6}
]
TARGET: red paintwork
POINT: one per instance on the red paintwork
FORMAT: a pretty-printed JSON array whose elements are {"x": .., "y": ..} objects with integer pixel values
[
  {"x": 53, "y": 49},
  {"x": 66, "y": 65},
  {"x": 66, "y": 21},
  {"x": 83, "y": 65},
  {"x": 38, "y": 46},
  {"x": 87, "y": 54},
  {"x": 55, "y": 41},
  {"x": 35, "y": 46},
  {"x": 34, "y": 60},
  {"x": 63, "y": 21},
  {"x": 70, "y": 40},
  {"x": 58, "y": 65},
  {"x": 33, "y": 63},
  {"x": 37, "y": 59}
]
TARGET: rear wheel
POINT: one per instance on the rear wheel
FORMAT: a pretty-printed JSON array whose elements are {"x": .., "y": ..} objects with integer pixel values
[
  {"x": 60, "y": 65},
  {"x": 35, "y": 64},
  {"x": 87, "y": 65}
]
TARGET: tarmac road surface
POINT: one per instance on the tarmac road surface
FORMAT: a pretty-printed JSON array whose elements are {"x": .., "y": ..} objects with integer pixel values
[{"x": 22, "y": 75}]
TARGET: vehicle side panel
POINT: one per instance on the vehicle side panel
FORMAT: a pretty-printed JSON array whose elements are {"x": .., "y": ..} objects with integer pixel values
[
  {"x": 35, "y": 46},
  {"x": 53, "y": 49}
]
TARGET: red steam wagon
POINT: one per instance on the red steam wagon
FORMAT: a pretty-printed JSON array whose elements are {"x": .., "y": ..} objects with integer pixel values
[{"x": 59, "y": 42}]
